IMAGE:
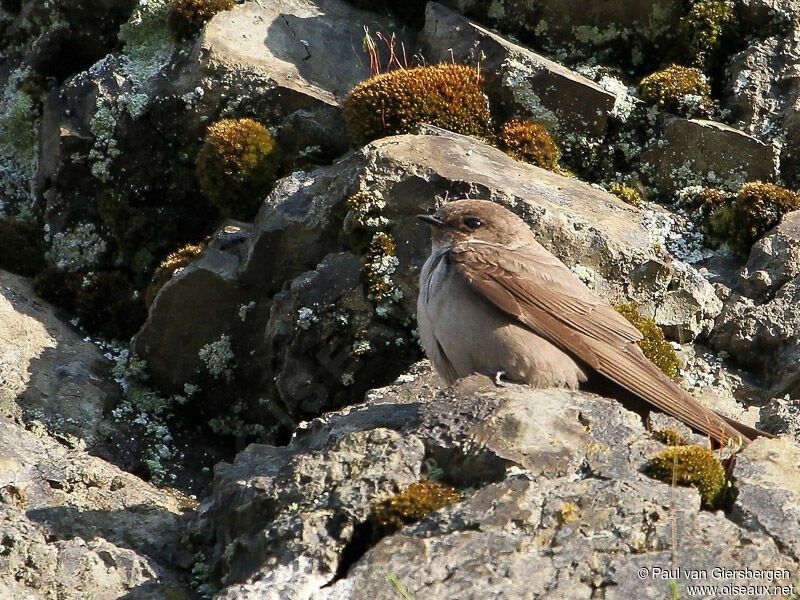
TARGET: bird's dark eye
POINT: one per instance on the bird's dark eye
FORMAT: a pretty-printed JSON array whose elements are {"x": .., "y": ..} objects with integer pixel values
[{"x": 472, "y": 222}]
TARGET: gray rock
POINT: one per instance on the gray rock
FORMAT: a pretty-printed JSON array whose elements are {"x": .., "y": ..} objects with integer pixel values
[
  {"x": 768, "y": 481},
  {"x": 76, "y": 527},
  {"x": 523, "y": 83},
  {"x": 700, "y": 152},
  {"x": 564, "y": 492},
  {"x": 764, "y": 337},
  {"x": 48, "y": 374},
  {"x": 774, "y": 260},
  {"x": 677, "y": 297},
  {"x": 582, "y": 29}
]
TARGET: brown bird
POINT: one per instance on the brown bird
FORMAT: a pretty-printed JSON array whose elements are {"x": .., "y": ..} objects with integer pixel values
[{"x": 493, "y": 300}]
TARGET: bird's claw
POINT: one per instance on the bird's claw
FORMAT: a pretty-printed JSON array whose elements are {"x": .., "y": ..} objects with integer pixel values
[{"x": 497, "y": 381}]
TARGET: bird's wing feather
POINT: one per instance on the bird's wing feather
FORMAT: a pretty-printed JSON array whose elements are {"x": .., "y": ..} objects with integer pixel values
[{"x": 533, "y": 286}]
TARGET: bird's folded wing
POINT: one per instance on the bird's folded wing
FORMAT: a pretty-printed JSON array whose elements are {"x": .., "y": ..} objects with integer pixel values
[{"x": 533, "y": 286}]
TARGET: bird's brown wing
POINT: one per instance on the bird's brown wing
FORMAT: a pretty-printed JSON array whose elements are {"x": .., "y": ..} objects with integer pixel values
[{"x": 533, "y": 286}]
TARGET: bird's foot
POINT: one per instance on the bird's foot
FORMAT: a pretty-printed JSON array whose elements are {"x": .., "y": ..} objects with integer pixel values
[{"x": 497, "y": 379}]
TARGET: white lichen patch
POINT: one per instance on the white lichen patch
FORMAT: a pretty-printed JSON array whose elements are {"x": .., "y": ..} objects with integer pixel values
[
  {"x": 79, "y": 247},
  {"x": 675, "y": 234},
  {"x": 218, "y": 357},
  {"x": 244, "y": 309}
]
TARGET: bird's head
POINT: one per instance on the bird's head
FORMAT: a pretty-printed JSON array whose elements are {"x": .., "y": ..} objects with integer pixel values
[{"x": 475, "y": 220}]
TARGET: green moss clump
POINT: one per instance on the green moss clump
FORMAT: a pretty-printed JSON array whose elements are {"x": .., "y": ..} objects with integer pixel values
[
  {"x": 670, "y": 437},
  {"x": 681, "y": 90},
  {"x": 416, "y": 501},
  {"x": 626, "y": 193},
  {"x": 653, "y": 345},
  {"x": 757, "y": 208},
  {"x": 108, "y": 305},
  {"x": 186, "y": 18},
  {"x": 236, "y": 166},
  {"x": 691, "y": 465},
  {"x": 21, "y": 249},
  {"x": 702, "y": 202},
  {"x": 174, "y": 261},
  {"x": 531, "y": 142},
  {"x": 702, "y": 29},
  {"x": 445, "y": 95}
]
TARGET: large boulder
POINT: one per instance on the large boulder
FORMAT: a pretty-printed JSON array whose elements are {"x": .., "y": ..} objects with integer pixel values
[
  {"x": 321, "y": 306},
  {"x": 549, "y": 478}
]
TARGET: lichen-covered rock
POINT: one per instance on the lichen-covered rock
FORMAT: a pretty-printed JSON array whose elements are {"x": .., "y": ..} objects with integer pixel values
[
  {"x": 767, "y": 476},
  {"x": 521, "y": 83},
  {"x": 699, "y": 152},
  {"x": 552, "y": 478}
]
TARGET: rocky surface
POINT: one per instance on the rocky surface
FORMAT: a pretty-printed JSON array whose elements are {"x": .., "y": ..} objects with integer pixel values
[
  {"x": 296, "y": 328},
  {"x": 74, "y": 526},
  {"x": 551, "y": 478},
  {"x": 48, "y": 373},
  {"x": 321, "y": 340},
  {"x": 700, "y": 152}
]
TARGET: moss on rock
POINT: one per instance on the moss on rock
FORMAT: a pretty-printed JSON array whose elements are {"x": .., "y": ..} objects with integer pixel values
[
  {"x": 236, "y": 166},
  {"x": 756, "y": 209},
  {"x": 416, "y": 501},
  {"x": 691, "y": 465},
  {"x": 681, "y": 90},
  {"x": 626, "y": 193},
  {"x": 703, "y": 28},
  {"x": 657, "y": 349},
  {"x": 531, "y": 142},
  {"x": 670, "y": 437},
  {"x": 167, "y": 268},
  {"x": 186, "y": 18},
  {"x": 445, "y": 95}
]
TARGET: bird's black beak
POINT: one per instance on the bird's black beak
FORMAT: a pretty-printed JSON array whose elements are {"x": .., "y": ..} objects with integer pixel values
[{"x": 431, "y": 220}]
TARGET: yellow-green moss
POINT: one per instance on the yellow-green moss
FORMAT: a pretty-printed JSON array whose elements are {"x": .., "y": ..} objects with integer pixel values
[
  {"x": 174, "y": 261},
  {"x": 186, "y": 18},
  {"x": 701, "y": 202},
  {"x": 626, "y": 193},
  {"x": 655, "y": 347},
  {"x": 446, "y": 95},
  {"x": 381, "y": 263},
  {"x": 702, "y": 29},
  {"x": 416, "y": 501},
  {"x": 691, "y": 465},
  {"x": 236, "y": 166},
  {"x": 757, "y": 208},
  {"x": 681, "y": 90},
  {"x": 670, "y": 437},
  {"x": 21, "y": 248},
  {"x": 531, "y": 142}
]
